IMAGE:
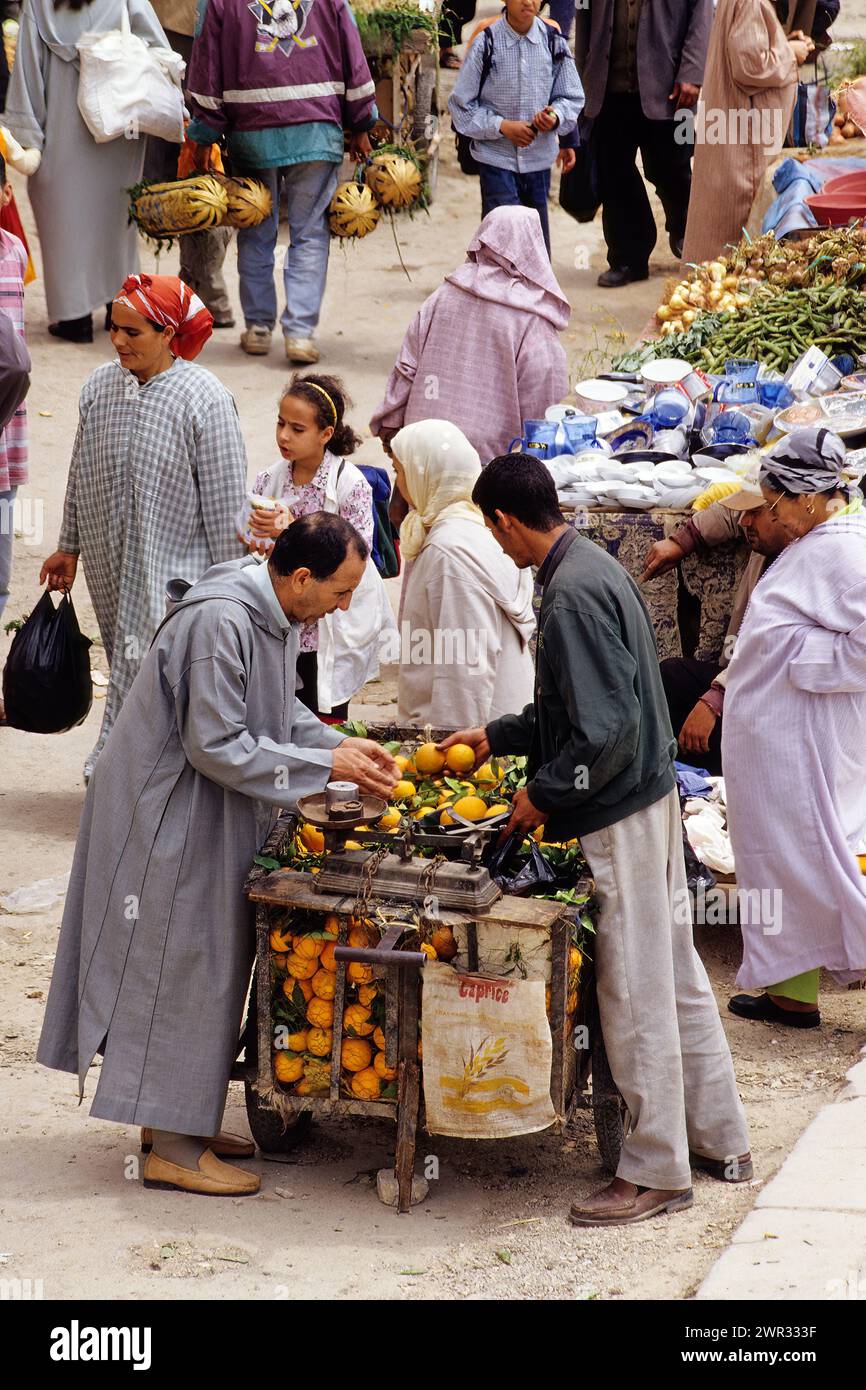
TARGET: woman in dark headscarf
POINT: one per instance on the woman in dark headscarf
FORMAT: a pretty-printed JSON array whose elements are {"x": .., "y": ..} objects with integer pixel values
[{"x": 793, "y": 739}]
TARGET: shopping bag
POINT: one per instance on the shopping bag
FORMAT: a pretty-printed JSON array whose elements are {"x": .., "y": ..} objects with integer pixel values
[
  {"x": 487, "y": 1054},
  {"x": 46, "y": 683},
  {"x": 814, "y": 109},
  {"x": 126, "y": 88},
  {"x": 579, "y": 191}
]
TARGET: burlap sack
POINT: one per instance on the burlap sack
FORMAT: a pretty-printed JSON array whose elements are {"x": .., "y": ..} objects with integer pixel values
[{"x": 487, "y": 1054}]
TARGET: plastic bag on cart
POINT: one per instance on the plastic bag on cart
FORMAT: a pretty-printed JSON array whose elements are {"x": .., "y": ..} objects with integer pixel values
[
  {"x": 487, "y": 1054},
  {"x": 47, "y": 687},
  {"x": 699, "y": 877},
  {"x": 533, "y": 876}
]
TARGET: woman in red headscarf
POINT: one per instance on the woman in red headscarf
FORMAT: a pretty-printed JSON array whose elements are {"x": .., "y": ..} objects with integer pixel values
[{"x": 157, "y": 476}]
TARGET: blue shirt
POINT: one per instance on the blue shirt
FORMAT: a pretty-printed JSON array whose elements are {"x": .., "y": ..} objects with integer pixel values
[{"x": 523, "y": 79}]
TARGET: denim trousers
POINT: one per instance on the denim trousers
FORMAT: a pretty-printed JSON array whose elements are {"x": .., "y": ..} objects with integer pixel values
[
  {"x": 309, "y": 190},
  {"x": 7, "y": 532},
  {"x": 509, "y": 188}
]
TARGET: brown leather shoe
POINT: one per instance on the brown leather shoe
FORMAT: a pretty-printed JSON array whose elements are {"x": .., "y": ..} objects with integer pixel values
[
  {"x": 212, "y": 1177},
  {"x": 623, "y": 1203},
  {"x": 224, "y": 1145},
  {"x": 725, "y": 1169}
]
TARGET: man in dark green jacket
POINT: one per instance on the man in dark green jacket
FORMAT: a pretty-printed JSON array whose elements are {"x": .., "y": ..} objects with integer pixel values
[{"x": 600, "y": 766}]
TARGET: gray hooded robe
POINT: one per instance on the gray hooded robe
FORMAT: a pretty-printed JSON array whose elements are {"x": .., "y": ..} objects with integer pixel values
[{"x": 157, "y": 938}]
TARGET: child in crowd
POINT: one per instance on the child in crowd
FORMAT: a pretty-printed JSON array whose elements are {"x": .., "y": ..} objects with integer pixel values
[
  {"x": 517, "y": 94},
  {"x": 339, "y": 653},
  {"x": 13, "y": 440}
]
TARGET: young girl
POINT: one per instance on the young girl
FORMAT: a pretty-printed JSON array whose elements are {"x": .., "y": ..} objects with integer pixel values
[{"x": 340, "y": 652}]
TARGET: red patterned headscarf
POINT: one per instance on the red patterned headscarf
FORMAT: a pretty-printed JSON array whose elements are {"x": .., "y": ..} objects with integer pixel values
[{"x": 166, "y": 300}]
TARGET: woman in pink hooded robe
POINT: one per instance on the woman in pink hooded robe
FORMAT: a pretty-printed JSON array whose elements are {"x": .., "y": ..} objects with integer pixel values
[{"x": 483, "y": 351}]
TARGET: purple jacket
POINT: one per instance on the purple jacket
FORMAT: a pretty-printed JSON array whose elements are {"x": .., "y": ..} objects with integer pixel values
[{"x": 277, "y": 63}]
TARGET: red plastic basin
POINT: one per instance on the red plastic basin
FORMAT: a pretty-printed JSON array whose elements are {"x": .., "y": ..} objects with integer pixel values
[
  {"x": 845, "y": 183},
  {"x": 837, "y": 209}
]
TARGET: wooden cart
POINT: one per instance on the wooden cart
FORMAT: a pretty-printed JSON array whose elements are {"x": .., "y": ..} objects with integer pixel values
[{"x": 280, "y": 1119}]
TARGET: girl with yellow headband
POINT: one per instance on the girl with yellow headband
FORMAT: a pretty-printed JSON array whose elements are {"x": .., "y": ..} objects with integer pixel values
[{"x": 313, "y": 475}]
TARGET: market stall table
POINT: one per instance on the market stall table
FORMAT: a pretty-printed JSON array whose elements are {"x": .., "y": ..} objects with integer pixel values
[{"x": 709, "y": 579}]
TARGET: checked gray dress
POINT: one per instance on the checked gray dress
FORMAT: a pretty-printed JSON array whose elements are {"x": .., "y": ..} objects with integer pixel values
[{"x": 157, "y": 476}]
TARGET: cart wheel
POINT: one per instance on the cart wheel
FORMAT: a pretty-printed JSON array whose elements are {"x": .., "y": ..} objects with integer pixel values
[
  {"x": 270, "y": 1132},
  {"x": 609, "y": 1112},
  {"x": 608, "y": 1109}
]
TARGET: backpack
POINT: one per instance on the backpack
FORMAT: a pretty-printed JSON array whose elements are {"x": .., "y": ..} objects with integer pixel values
[
  {"x": 465, "y": 158},
  {"x": 386, "y": 545}
]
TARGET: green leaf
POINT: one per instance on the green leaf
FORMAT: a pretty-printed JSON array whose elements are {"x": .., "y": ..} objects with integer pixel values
[
  {"x": 266, "y": 861},
  {"x": 392, "y": 747},
  {"x": 504, "y": 1256},
  {"x": 390, "y": 1091},
  {"x": 412, "y": 1271},
  {"x": 454, "y": 785}
]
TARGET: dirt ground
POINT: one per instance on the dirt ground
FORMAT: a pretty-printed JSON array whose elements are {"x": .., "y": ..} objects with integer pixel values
[{"x": 71, "y": 1211}]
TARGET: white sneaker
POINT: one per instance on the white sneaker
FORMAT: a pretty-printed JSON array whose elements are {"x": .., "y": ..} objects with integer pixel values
[
  {"x": 301, "y": 350},
  {"x": 256, "y": 340}
]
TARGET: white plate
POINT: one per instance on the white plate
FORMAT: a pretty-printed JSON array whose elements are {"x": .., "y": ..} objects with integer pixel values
[
  {"x": 640, "y": 497},
  {"x": 717, "y": 475},
  {"x": 674, "y": 475}
]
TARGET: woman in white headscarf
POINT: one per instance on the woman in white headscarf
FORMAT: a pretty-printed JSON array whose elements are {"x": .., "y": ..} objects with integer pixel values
[{"x": 466, "y": 615}]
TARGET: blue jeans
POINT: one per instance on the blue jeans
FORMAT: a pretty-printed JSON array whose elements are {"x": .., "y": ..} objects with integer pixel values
[
  {"x": 563, "y": 12},
  {"x": 507, "y": 188},
  {"x": 310, "y": 188},
  {"x": 7, "y": 532}
]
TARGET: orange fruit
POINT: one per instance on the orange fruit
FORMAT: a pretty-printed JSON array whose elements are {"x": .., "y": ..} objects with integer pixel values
[
  {"x": 331, "y": 924},
  {"x": 297, "y": 1042},
  {"x": 359, "y": 937},
  {"x": 390, "y": 819},
  {"x": 428, "y": 759},
  {"x": 366, "y": 994},
  {"x": 356, "y": 1054},
  {"x": 280, "y": 941},
  {"x": 575, "y": 959},
  {"x": 326, "y": 959},
  {"x": 444, "y": 943},
  {"x": 571, "y": 1002},
  {"x": 403, "y": 790},
  {"x": 460, "y": 758},
  {"x": 320, "y": 1041},
  {"x": 486, "y": 776},
  {"x": 359, "y": 974},
  {"x": 324, "y": 984},
  {"x": 320, "y": 1012},
  {"x": 305, "y": 987},
  {"x": 357, "y": 1018},
  {"x": 445, "y": 819},
  {"x": 381, "y": 1068},
  {"x": 288, "y": 1067},
  {"x": 311, "y": 838},
  {"x": 308, "y": 947},
  {"x": 279, "y": 961},
  {"x": 498, "y": 810},
  {"x": 379, "y": 1039},
  {"x": 428, "y": 950},
  {"x": 470, "y": 808},
  {"x": 301, "y": 968},
  {"x": 366, "y": 1084}
]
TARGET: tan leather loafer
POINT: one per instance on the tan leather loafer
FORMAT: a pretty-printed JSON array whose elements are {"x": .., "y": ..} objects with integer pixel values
[
  {"x": 212, "y": 1177},
  {"x": 622, "y": 1204},
  {"x": 224, "y": 1145}
]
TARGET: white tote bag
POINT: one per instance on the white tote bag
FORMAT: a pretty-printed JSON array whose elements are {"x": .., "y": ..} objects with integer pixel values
[
  {"x": 350, "y": 642},
  {"x": 126, "y": 88}
]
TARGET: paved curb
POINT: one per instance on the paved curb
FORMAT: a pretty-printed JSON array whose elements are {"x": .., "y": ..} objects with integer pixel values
[{"x": 806, "y": 1237}]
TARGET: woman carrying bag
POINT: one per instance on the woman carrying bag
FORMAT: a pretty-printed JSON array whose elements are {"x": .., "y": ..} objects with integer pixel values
[{"x": 79, "y": 193}]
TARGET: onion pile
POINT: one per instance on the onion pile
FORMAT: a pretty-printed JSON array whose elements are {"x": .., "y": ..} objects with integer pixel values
[{"x": 711, "y": 287}]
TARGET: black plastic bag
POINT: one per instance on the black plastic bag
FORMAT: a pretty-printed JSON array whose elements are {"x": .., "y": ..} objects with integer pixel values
[
  {"x": 535, "y": 876},
  {"x": 699, "y": 877},
  {"x": 46, "y": 683},
  {"x": 579, "y": 191}
]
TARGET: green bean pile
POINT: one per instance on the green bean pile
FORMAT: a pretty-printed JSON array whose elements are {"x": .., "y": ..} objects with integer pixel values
[{"x": 777, "y": 327}]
